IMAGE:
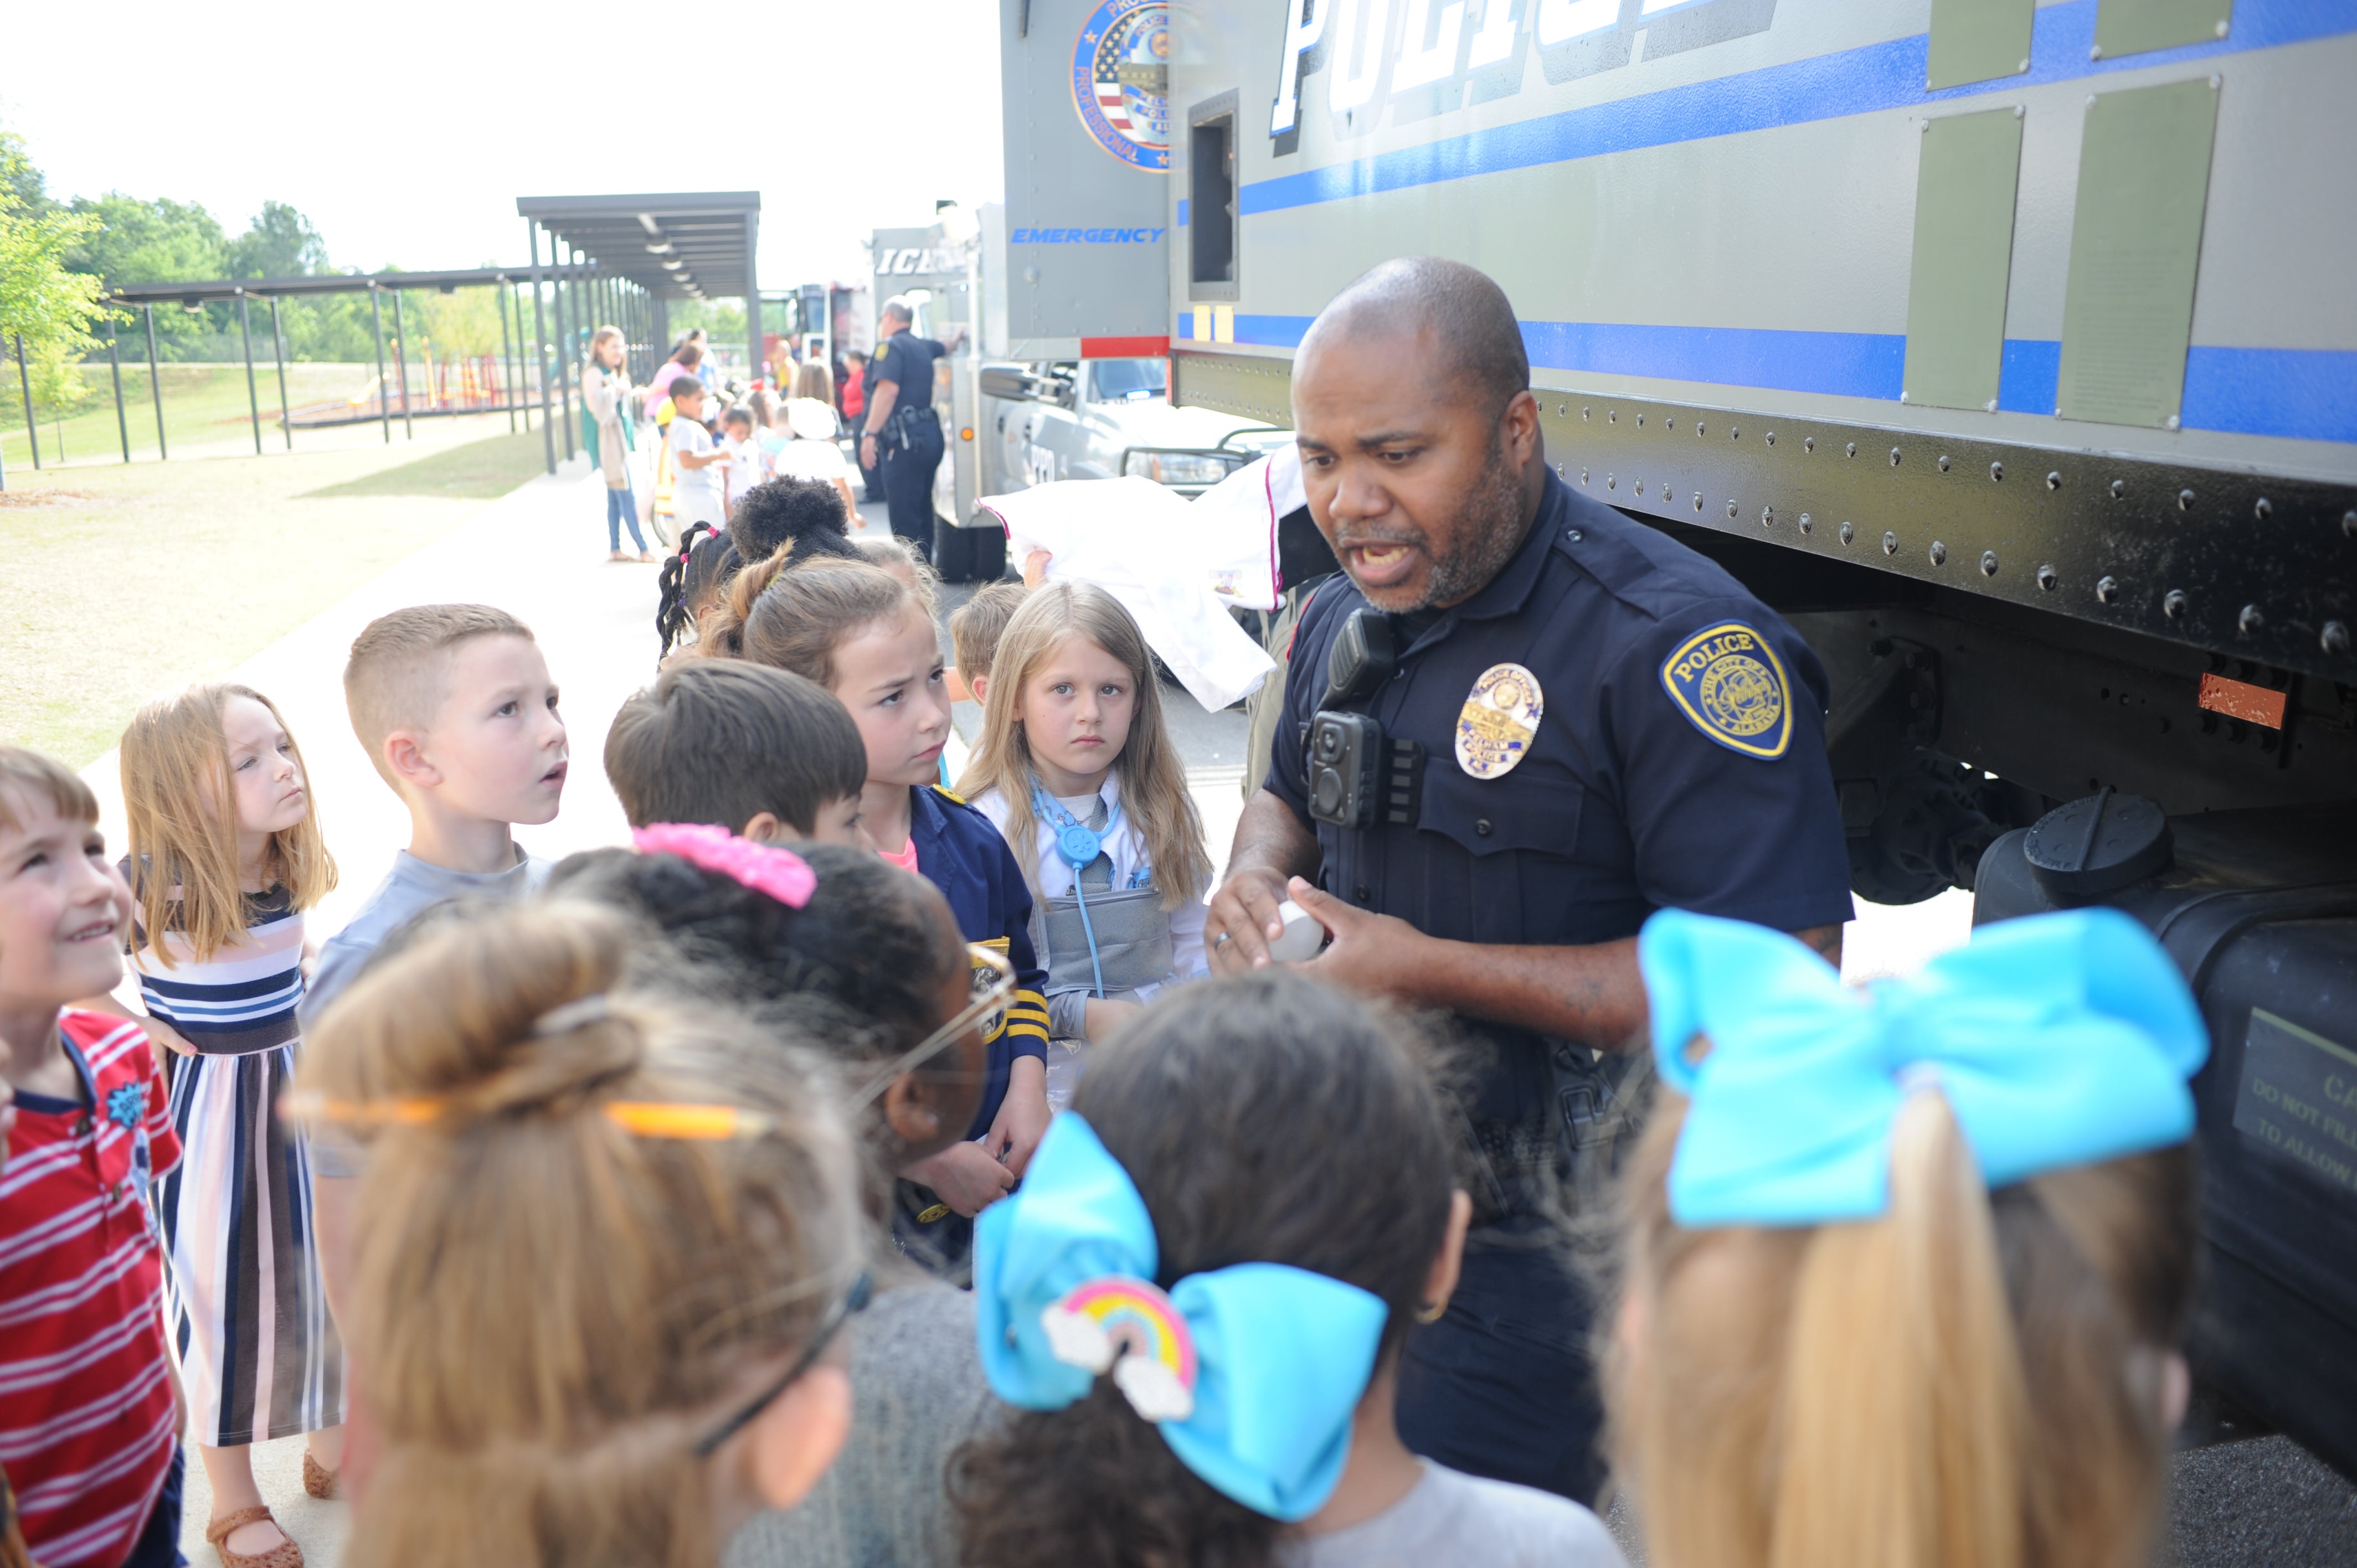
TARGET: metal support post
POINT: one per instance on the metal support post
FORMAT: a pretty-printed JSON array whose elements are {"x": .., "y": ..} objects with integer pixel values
[
  {"x": 540, "y": 345},
  {"x": 507, "y": 357},
  {"x": 752, "y": 298},
  {"x": 401, "y": 363},
  {"x": 156, "y": 387},
  {"x": 523, "y": 382},
  {"x": 278, "y": 347},
  {"x": 383, "y": 394},
  {"x": 563, "y": 344},
  {"x": 25, "y": 383},
  {"x": 252, "y": 398},
  {"x": 114, "y": 363}
]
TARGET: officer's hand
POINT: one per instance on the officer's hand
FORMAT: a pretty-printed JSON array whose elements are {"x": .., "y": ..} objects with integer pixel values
[
  {"x": 1243, "y": 921},
  {"x": 1369, "y": 953}
]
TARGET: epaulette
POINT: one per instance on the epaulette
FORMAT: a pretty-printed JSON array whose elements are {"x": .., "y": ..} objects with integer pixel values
[{"x": 946, "y": 793}]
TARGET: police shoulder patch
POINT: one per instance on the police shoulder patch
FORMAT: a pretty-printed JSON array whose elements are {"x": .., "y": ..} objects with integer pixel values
[{"x": 1730, "y": 685}]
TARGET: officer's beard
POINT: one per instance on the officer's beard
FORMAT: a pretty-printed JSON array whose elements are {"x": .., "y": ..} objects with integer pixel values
[{"x": 1488, "y": 529}]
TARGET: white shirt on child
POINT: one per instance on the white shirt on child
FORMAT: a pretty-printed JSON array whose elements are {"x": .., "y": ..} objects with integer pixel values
[
  {"x": 696, "y": 492},
  {"x": 1053, "y": 874},
  {"x": 1468, "y": 1523},
  {"x": 686, "y": 436}
]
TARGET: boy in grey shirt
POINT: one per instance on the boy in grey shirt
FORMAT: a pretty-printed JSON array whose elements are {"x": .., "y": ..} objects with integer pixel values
[{"x": 454, "y": 705}]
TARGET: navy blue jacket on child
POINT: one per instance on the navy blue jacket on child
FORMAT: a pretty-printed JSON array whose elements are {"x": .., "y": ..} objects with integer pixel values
[{"x": 960, "y": 851}]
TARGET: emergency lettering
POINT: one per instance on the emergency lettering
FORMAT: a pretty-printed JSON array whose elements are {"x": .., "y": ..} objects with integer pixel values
[{"x": 1086, "y": 236}]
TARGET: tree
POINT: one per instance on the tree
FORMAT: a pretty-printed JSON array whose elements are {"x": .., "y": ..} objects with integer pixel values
[
  {"x": 281, "y": 243},
  {"x": 136, "y": 239},
  {"x": 44, "y": 305}
]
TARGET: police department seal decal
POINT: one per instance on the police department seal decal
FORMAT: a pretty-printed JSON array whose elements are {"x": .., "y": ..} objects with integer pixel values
[
  {"x": 1499, "y": 721},
  {"x": 1121, "y": 81},
  {"x": 1730, "y": 684}
]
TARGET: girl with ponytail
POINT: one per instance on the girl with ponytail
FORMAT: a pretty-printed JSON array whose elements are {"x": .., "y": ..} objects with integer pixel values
[
  {"x": 1904, "y": 1271},
  {"x": 1197, "y": 1300},
  {"x": 605, "y": 1244}
]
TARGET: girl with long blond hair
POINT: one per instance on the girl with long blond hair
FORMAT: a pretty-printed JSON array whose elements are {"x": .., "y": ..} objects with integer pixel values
[
  {"x": 226, "y": 855},
  {"x": 1077, "y": 770},
  {"x": 1905, "y": 1271},
  {"x": 608, "y": 1242}
]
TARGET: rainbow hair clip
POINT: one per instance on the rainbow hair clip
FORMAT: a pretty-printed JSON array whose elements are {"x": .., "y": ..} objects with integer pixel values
[
  {"x": 1128, "y": 1327},
  {"x": 765, "y": 868},
  {"x": 1252, "y": 1373}
]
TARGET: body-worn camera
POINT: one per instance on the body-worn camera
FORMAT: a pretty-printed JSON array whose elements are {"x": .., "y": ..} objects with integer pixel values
[{"x": 1357, "y": 774}]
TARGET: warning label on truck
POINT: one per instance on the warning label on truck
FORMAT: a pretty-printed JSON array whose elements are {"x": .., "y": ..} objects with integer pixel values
[{"x": 2299, "y": 1098}]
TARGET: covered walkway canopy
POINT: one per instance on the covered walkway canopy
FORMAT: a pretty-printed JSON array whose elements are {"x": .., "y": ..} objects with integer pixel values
[
  {"x": 574, "y": 293},
  {"x": 685, "y": 245}
]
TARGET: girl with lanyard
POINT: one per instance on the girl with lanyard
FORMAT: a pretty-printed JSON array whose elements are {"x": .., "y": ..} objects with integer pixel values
[{"x": 1076, "y": 768}]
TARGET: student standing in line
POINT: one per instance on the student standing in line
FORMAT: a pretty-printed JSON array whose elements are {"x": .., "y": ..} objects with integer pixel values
[
  {"x": 696, "y": 494},
  {"x": 869, "y": 638},
  {"x": 1076, "y": 768},
  {"x": 455, "y": 707},
  {"x": 609, "y": 1238},
  {"x": 1198, "y": 1298},
  {"x": 226, "y": 855},
  {"x": 1904, "y": 1272},
  {"x": 90, "y": 1411}
]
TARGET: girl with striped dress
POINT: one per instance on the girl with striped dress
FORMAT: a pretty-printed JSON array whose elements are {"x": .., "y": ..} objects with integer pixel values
[{"x": 226, "y": 854}]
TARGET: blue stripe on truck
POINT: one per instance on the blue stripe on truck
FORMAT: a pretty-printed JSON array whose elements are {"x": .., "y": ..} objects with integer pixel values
[
  {"x": 1854, "y": 81},
  {"x": 2307, "y": 394}
]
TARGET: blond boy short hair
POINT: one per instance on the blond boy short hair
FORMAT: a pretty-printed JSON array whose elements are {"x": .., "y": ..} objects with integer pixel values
[
  {"x": 398, "y": 673},
  {"x": 978, "y": 624},
  {"x": 36, "y": 775}
]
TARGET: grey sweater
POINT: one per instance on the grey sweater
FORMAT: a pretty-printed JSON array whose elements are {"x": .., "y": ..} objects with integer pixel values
[{"x": 917, "y": 1394}]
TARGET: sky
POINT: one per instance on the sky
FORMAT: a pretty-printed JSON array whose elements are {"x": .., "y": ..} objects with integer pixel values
[{"x": 406, "y": 135}]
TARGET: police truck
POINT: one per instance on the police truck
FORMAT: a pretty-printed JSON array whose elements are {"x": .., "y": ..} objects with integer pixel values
[{"x": 2008, "y": 348}]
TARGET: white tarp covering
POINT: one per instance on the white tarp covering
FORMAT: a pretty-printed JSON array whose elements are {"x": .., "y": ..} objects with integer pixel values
[{"x": 1150, "y": 548}]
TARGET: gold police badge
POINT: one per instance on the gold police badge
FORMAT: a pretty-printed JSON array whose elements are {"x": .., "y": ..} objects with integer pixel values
[
  {"x": 1729, "y": 683},
  {"x": 1499, "y": 721}
]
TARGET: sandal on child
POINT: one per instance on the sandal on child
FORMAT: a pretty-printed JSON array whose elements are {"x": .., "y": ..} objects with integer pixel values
[
  {"x": 317, "y": 1480},
  {"x": 286, "y": 1555}
]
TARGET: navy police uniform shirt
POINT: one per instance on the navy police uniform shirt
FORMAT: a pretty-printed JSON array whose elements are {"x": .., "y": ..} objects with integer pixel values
[
  {"x": 906, "y": 360},
  {"x": 1677, "y": 759}
]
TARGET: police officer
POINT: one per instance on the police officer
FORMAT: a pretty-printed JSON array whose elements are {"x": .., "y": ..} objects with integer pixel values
[
  {"x": 901, "y": 430},
  {"x": 1573, "y": 721}
]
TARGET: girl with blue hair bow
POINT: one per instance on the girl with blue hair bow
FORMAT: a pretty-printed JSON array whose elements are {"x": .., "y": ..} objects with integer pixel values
[
  {"x": 1196, "y": 1299},
  {"x": 1905, "y": 1270}
]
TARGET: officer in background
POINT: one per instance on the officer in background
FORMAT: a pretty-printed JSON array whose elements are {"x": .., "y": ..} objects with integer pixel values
[
  {"x": 902, "y": 432},
  {"x": 1517, "y": 726}
]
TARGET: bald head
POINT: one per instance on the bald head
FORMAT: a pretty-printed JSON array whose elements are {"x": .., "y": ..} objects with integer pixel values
[{"x": 1465, "y": 316}]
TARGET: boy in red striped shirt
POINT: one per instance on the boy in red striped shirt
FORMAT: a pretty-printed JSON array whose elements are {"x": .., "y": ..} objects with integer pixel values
[{"x": 90, "y": 1414}]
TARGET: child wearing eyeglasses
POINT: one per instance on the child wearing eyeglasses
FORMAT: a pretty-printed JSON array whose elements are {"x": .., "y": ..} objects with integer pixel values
[
  {"x": 865, "y": 959},
  {"x": 605, "y": 1240},
  {"x": 869, "y": 638}
]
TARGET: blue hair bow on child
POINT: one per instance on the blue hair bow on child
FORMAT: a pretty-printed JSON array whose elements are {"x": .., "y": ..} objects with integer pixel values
[
  {"x": 1253, "y": 1373},
  {"x": 2057, "y": 1040}
]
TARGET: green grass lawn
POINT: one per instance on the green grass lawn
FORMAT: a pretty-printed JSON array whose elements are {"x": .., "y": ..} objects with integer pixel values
[{"x": 125, "y": 580}]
